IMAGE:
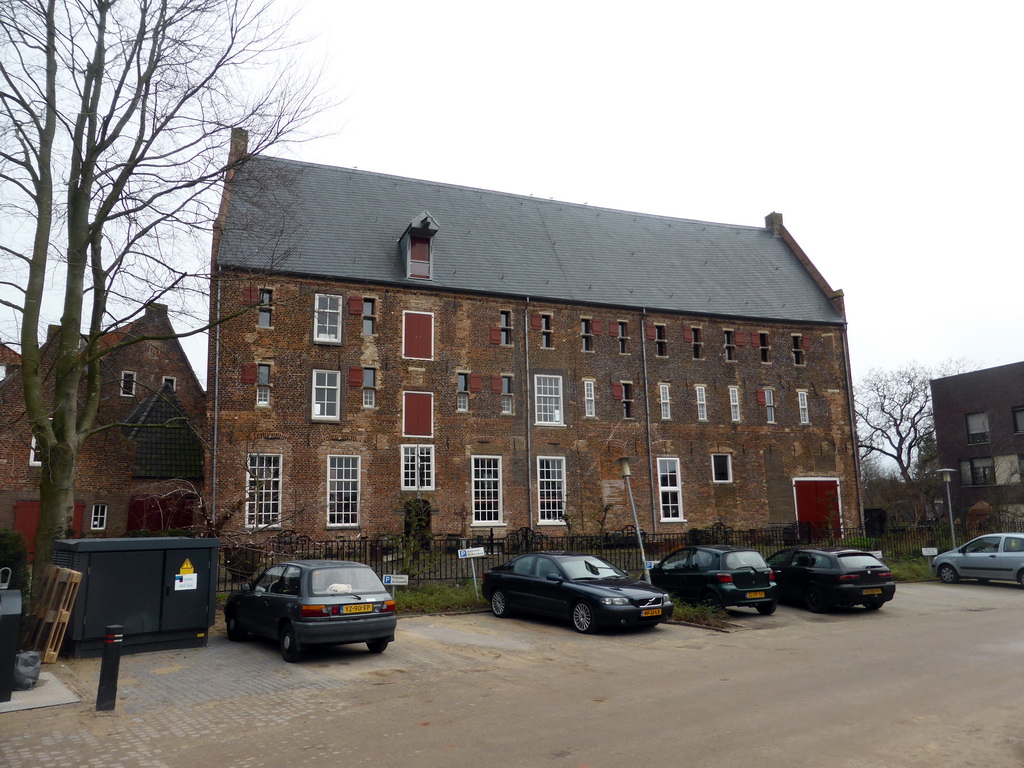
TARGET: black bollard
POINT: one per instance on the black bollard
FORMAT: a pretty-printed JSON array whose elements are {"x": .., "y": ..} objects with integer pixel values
[{"x": 106, "y": 695}]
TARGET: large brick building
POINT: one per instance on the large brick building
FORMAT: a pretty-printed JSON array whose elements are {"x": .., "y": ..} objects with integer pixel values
[
  {"x": 494, "y": 355},
  {"x": 146, "y": 474},
  {"x": 979, "y": 431}
]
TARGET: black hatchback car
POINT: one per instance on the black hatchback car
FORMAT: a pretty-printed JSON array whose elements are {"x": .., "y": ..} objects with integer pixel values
[
  {"x": 313, "y": 602},
  {"x": 586, "y": 589},
  {"x": 823, "y": 577},
  {"x": 719, "y": 575}
]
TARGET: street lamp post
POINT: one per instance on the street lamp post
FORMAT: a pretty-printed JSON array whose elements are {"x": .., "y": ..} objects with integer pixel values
[
  {"x": 626, "y": 472},
  {"x": 947, "y": 477}
]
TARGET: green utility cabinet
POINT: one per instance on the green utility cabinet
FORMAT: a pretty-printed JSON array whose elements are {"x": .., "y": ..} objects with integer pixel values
[{"x": 162, "y": 590}]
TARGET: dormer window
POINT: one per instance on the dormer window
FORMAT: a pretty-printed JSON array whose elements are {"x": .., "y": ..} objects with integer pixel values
[{"x": 415, "y": 247}]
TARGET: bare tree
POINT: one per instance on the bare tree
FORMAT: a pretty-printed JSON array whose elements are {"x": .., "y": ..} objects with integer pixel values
[{"x": 113, "y": 121}]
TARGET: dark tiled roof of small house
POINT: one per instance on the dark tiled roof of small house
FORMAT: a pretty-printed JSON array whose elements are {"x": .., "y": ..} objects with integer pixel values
[
  {"x": 166, "y": 444},
  {"x": 317, "y": 220}
]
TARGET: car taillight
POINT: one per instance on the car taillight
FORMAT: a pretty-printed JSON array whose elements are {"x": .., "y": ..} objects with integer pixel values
[
  {"x": 388, "y": 607},
  {"x": 885, "y": 574},
  {"x": 771, "y": 575},
  {"x": 724, "y": 578},
  {"x": 312, "y": 611},
  {"x": 849, "y": 577}
]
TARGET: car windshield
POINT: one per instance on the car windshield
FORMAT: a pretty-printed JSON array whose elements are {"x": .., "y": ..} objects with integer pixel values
[
  {"x": 344, "y": 580},
  {"x": 857, "y": 560},
  {"x": 748, "y": 559},
  {"x": 589, "y": 568}
]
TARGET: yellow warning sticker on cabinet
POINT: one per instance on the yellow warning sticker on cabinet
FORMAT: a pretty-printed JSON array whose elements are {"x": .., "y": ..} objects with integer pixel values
[
  {"x": 186, "y": 577},
  {"x": 186, "y": 567}
]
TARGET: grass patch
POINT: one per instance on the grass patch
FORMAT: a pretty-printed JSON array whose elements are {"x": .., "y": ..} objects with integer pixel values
[
  {"x": 437, "y": 598},
  {"x": 911, "y": 570},
  {"x": 704, "y": 615}
]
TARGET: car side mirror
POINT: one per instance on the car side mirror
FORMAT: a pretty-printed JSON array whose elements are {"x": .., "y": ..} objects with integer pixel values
[
  {"x": 245, "y": 587},
  {"x": 555, "y": 577}
]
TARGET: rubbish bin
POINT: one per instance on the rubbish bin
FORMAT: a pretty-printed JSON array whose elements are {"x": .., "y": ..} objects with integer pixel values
[{"x": 10, "y": 629}]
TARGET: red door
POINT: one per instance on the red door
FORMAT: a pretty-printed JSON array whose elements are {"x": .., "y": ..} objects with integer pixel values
[
  {"x": 817, "y": 504},
  {"x": 26, "y": 522}
]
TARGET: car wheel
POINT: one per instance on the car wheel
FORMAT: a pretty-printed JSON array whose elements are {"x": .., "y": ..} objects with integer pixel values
[
  {"x": 235, "y": 632},
  {"x": 815, "y": 601},
  {"x": 291, "y": 650},
  {"x": 499, "y": 604},
  {"x": 766, "y": 609},
  {"x": 712, "y": 600},
  {"x": 378, "y": 645},
  {"x": 948, "y": 574},
  {"x": 874, "y": 605},
  {"x": 583, "y": 618},
  {"x": 1020, "y": 578}
]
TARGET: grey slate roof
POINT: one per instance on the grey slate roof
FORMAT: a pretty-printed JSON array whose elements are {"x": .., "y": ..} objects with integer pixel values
[
  {"x": 166, "y": 446},
  {"x": 309, "y": 219}
]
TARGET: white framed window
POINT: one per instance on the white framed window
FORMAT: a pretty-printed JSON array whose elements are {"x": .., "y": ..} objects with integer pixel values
[
  {"x": 665, "y": 395},
  {"x": 805, "y": 412},
  {"x": 505, "y": 324},
  {"x": 769, "y": 405},
  {"x": 589, "y": 401},
  {"x": 547, "y": 337},
  {"x": 551, "y": 490},
  {"x": 128, "y": 382},
  {"x": 587, "y": 334},
  {"x": 623, "y": 337},
  {"x": 98, "y": 518},
  {"x": 342, "y": 491},
  {"x": 734, "y": 403},
  {"x": 263, "y": 500},
  {"x": 169, "y": 381},
  {"x": 327, "y": 319},
  {"x": 263, "y": 385},
  {"x": 977, "y": 428},
  {"x": 721, "y": 467},
  {"x": 627, "y": 399},
  {"x": 369, "y": 316},
  {"x": 487, "y": 490},
  {"x": 548, "y": 399},
  {"x": 670, "y": 490},
  {"x": 265, "y": 318},
  {"x": 35, "y": 459},
  {"x": 506, "y": 395},
  {"x": 702, "y": 402},
  {"x": 417, "y": 467},
  {"x": 326, "y": 395},
  {"x": 462, "y": 393},
  {"x": 3, "y": 371},
  {"x": 369, "y": 387}
]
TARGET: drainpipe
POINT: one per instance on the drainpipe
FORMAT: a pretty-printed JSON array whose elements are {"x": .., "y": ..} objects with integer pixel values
[
  {"x": 647, "y": 413},
  {"x": 528, "y": 411}
]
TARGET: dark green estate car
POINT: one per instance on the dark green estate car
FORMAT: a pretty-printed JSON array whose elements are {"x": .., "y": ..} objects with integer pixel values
[{"x": 719, "y": 575}]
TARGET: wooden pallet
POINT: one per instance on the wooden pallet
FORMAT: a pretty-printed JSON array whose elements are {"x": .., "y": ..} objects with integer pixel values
[{"x": 53, "y": 611}]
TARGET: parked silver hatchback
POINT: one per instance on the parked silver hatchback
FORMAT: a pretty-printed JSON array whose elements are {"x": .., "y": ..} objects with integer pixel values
[{"x": 994, "y": 556}]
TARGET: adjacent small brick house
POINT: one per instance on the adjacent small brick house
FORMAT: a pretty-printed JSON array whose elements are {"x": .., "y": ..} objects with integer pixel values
[
  {"x": 494, "y": 355},
  {"x": 979, "y": 432},
  {"x": 145, "y": 474}
]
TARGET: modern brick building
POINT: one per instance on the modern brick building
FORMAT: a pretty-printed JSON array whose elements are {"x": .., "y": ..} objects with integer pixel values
[
  {"x": 979, "y": 431},
  {"x": 146, "y": 474},
  {"x": 495, "y": 356}
]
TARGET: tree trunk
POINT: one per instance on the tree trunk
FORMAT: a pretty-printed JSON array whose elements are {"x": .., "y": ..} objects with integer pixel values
[{"x": 56, "y": 506}]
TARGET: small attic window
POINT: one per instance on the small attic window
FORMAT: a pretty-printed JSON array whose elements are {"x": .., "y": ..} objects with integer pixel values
[{"x": 415, "y": 247}]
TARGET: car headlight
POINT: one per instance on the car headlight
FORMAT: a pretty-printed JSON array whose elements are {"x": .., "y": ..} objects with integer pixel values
[
  {"x": 667, "y": 599},
  {"x": 615, "y": 601}
]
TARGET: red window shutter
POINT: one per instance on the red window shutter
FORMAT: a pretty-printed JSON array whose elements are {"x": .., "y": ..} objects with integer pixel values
[
  {"x": 805, "y": 343},
  {"x": 495, "y": 335},
  {"x": 688, "y": 335},
  {"x": 651, "y": 332},
  {"x": 616, "y": 390},
  {"x": 496, "y": 384},
  {"x": 475, "y": 384},
  {"x": 761, "y": 397},
  {"x": 536, "y": 322},
  {"x": 595, "y": 327},
  {"x": 740, "y": 338},
  {"x": 355, "y": 305},
  {"x": 248, "y": 373},
  {"x": 419, "y": 335},
  {"x": 355, "y": 377},
  {"x": 419, "y": 414},
  {"x": 420, "y": 249},
  {"x": 249, "y": 295}
]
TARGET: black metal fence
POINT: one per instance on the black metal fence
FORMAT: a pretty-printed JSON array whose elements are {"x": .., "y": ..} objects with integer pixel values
[{"x": 437, "y": 559}]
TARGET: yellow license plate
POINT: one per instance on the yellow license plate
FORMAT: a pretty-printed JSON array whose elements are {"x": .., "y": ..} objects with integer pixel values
[
  {"x": 361, "y": 608},
  {"x": 752, "y": 595},
  {"x": 871, "y": 591},
  {"x": 651, "y": 612}
]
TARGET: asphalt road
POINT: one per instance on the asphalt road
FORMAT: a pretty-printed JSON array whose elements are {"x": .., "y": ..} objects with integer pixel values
[{"x": 926, "y": 681}]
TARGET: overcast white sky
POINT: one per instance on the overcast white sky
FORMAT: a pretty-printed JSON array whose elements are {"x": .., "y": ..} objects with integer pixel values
[{"x": 888, "y": 134}]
